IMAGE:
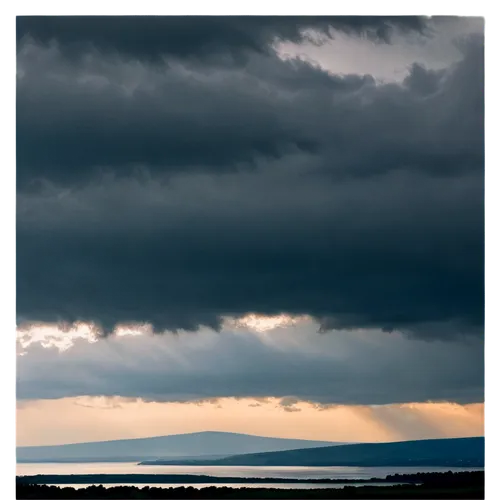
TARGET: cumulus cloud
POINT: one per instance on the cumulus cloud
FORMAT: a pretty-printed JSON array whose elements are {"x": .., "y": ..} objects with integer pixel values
[
  {"x": 292, "y": 363},
  {"x": 176, "y": 192}
]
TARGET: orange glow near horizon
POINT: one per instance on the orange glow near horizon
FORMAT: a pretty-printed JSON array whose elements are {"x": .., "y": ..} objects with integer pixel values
[{"x": 81, "y": 419}]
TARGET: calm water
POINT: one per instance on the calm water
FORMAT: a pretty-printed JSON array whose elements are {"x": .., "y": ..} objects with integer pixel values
[
  {"x": 281, "y": 486},
  {"x": 26, "y": 469}
]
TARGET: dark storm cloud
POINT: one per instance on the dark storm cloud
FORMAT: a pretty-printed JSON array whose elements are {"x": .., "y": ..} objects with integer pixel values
[
  {"x": 269, "y": 187},
  {"x": 184, "y": 253},
  {"x": 182, "y": 122},
  {"x": 201, "y": 37},
  {"x": 295, "y": 364}
]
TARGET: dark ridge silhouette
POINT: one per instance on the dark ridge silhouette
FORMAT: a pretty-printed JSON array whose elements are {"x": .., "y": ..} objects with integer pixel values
[{"x": 452, "y": 452}]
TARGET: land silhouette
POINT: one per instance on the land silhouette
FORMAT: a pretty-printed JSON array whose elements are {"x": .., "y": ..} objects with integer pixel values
[
  {"x": 468, "y": 485},
  {"x": 452, "y": 452},
  {"x": 207, "y": 445},
  {"x": 228, "y": 449}
]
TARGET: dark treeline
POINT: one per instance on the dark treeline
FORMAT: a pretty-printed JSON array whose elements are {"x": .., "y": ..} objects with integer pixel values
[
  {"x": 360, "y": 492},
  {"x": 421, "y": 477},
  {"x": 466, "y": 485},
  {"x": 449, "y": 478}
]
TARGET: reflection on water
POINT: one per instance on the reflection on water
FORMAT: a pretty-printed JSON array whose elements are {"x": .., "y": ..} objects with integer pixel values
[
  {"x": 28, "y": 469},
  {"x": 281, "y": 486}
]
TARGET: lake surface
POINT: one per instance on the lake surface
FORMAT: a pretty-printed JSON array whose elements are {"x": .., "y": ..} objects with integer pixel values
[
  {"x": 28, "y": 469},
  {"x": 280, "y": 486}
]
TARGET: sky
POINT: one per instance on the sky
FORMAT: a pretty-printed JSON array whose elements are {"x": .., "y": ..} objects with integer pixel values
[{"x": 262, "y": 225}]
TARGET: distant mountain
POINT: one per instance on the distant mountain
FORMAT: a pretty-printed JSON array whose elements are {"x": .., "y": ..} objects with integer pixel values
[
  {"x": 454, "y": 452},
  {"x": 206, "y": 445}
]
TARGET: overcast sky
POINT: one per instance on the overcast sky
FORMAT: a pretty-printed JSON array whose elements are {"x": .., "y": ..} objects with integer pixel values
[{"x": 214, "y": 212}]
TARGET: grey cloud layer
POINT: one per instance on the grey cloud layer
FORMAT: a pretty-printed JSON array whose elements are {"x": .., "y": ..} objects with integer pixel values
[
  {"x": 180, "y": 190},
  {"x": 202, "y": 37},
  {"x": 360, "y": 367},
  {"x": 111, "y": 114}
]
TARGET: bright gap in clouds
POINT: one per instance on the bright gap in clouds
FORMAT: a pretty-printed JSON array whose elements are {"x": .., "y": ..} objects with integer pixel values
[
  {"x": 52, "y": 335},
  {"x": 386, "y": 62},
  {"x": 260, "y": 323},
  {"x": 64, "y": 337}
]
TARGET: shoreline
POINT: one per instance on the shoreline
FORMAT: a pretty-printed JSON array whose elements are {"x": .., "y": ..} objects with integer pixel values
[
  {"x": 466, "y": 485},
  {"x": 413, "y": 479},
  {"x": 181, "y": 479}
]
